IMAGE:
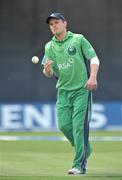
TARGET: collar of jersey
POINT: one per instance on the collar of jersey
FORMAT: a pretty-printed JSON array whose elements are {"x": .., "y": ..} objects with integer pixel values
[{"x": 68, "y": 35}]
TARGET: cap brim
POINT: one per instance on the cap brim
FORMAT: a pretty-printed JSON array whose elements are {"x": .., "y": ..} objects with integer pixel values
[{"x": 48, "y": 19}]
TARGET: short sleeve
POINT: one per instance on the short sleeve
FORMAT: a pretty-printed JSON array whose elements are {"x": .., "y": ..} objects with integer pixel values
[
  {"x": 47, "y": 55},
  {"x": 48, "y": 51},
  {"x": 87, "y": 49}
]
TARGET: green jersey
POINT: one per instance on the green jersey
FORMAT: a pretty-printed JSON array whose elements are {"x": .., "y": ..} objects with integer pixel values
[{"x": 68, "y": 60}]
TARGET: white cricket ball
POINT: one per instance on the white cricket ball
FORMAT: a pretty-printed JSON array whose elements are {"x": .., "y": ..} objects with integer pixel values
[{"x": 35, "y": 59}]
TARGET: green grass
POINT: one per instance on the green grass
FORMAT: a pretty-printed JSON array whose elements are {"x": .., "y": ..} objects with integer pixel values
[
  {"x": 50, "y": 160},
  {"x": 92, "y": 133}
]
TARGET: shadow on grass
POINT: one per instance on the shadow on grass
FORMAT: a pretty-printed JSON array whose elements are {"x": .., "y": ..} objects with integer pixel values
[{"x": 88, "y": 177}]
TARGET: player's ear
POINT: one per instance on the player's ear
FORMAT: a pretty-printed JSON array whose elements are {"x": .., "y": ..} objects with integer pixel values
[{"x": 65, "y": 23}]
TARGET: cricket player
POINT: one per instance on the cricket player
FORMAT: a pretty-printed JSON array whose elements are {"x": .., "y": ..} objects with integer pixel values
[{"x": 67, "y": 56}]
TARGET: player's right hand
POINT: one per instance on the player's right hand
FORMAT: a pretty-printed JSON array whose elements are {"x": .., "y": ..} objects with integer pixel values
[{"x": 48, "y": 68}]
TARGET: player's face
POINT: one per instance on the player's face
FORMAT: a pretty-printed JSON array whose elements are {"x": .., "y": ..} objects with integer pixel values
[{"x": 57, "y": 26}]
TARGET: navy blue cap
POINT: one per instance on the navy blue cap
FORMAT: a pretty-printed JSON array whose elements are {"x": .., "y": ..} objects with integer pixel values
[{"x": 55, "y": 15}]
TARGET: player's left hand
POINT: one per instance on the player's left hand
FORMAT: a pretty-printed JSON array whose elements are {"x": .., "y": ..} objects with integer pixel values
[{"x": 91, "y": 84}]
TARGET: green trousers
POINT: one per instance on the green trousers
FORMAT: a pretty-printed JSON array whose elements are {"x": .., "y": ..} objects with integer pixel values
[{"x": 73, "y": 111}]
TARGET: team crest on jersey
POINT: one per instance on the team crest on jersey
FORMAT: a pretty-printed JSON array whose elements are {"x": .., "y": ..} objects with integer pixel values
[{"x": 71, "y": 50}]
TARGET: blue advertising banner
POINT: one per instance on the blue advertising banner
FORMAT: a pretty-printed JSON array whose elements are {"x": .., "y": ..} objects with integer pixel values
[{"x": 42, "y": 117}]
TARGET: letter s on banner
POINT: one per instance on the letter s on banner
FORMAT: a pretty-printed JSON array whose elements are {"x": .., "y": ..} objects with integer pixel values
[{"x": 99, "y": 120}]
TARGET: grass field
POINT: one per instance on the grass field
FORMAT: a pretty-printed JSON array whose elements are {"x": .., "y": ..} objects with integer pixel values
[{"x": 50, "y": 160}]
